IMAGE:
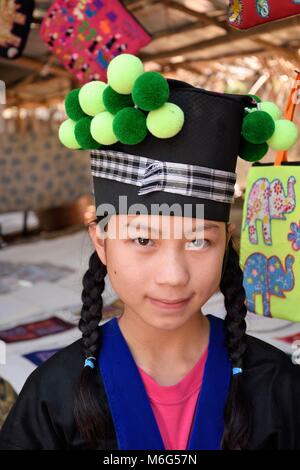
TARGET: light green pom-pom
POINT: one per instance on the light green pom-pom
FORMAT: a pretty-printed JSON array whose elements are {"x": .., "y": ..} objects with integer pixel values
[
  {"x": 122, "y": 72},
  {"x": 270, "y": 108},
  {"x": 66, "y": 134},
  {"x": 284, "y": 136},
  {"x": 90, "y": 97},
  {"x": 165, "y": 121},
  {"x": 102, "y": 130}
]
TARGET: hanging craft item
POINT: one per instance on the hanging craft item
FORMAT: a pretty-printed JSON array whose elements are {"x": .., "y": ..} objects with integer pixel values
[
  {"x": 86, "y": 34},
  {"x": 244, "y": 14},
  {"x": 270, "y": 237},
  {"x": 15, "y": 19}
]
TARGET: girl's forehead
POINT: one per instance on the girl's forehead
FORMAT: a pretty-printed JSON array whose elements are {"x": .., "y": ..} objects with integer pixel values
[
  {"x": 162, "y": 226},
  {"x": 160, "y": 220}
]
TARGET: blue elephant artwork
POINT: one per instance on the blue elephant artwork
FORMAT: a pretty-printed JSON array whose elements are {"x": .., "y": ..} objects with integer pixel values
[
  {"x": 268, "y": 200},
  {"x": 266, "y": 276},
  {"x": 294, "y": 234}
]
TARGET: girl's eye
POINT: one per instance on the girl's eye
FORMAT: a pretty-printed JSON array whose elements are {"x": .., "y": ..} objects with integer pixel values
[
  {"x": 141, "y": 239},
  {"x": 200, "y": 244}
]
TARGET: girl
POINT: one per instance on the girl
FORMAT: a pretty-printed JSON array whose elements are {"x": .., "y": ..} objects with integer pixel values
[{"x": 163, "y": 375}]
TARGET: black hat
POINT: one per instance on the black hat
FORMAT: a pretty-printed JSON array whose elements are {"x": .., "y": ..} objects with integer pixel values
[
  {"x": 163, "y": 146},
  {"x": 196, "y": 166}
]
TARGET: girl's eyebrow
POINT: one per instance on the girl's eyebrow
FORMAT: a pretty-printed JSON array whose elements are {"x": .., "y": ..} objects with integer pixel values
[{"x": 205, "y": 226}]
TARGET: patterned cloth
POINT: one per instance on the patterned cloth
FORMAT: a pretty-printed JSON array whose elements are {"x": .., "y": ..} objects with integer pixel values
[
  {"x": 85, "y": 35},
  {"x": 155, "y": 175},
  {"x": 38, "y": 173}
]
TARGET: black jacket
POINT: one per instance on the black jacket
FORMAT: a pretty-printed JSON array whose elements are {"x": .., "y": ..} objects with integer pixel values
[{"x": 42, "y": 417}]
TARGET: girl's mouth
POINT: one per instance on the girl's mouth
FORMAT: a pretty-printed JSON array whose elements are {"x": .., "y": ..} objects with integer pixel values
[{"x": 169, "y": 304}]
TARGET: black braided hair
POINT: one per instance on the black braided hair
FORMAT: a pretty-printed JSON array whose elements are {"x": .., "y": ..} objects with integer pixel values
[
  {"x": 237, "y": 417},
  {"x": 89, "y": 417}
]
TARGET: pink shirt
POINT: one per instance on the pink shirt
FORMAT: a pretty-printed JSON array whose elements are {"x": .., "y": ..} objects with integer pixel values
[{"x": 174, "y": 406}]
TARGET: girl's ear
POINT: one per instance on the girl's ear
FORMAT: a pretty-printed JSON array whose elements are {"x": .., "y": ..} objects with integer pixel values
[
  {"x": 230, "y": 228},
  {"x": 98, "y": 241}
]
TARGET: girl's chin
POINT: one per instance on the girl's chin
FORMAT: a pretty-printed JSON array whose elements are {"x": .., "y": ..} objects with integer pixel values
[{"x": 165, "y": 320}]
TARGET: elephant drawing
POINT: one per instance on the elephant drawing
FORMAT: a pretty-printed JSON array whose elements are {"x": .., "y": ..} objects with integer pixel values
[
  {"x": 267, "y": 276},
  {"x": 267, "y": 200}
]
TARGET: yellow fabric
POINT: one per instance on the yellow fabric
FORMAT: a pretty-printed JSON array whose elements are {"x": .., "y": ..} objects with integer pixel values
[{"x": 270, "y": 241}]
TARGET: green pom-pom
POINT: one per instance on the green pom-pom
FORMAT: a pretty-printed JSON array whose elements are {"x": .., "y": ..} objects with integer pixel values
[
  {"x": 66, "y": 134},
  {"x": 90, "y": 97},
  {"x": 255, "y": 97},
  {"x": 270, "y": 108},
  {"x": 114, "y": 101},
  {"x": 258, "y": 127},
  {"x": 83, "y": 134},
  {"x": 72, "y": 105},
  {"x": 285, "y": 135},
  {"x": 165, "y": 121},
  {"x": 122, "y": 72},
  {"x": 102, "y": 128},
  {"x": 129, "y": 126},
  {"x": 252, "y": 152},
  {"x": 150, "y": 91}
]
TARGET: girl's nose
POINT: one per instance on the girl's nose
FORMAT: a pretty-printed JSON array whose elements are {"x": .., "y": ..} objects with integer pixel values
[{"x": 172, "y": 269}]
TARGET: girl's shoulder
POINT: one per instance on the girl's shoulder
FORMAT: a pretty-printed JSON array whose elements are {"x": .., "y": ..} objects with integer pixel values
[
  {"x": 270, "y": 366},
  {"x": 265, "y": 367},
  {"x": 271, "y": 383},
  {"x": 260, "y": 353},
  {"x": 54, "y": 380},
  {"x": 42, "y": 416},
  {"x": 69, "y": 361},
  {"x": 62, "y": 369}
]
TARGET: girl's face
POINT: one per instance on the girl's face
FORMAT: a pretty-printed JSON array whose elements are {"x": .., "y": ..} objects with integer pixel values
[{"x": 162, "y": 261}]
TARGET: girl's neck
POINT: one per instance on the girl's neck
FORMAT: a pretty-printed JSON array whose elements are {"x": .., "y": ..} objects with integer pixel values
[{"x": 154, "y": 348}]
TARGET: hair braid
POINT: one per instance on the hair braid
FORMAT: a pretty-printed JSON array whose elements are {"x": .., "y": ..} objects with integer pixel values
[
  {"x": 91, "y": 313},
  {"x": 236, "y": 415},
  {"x": 89, "y": 416}
]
